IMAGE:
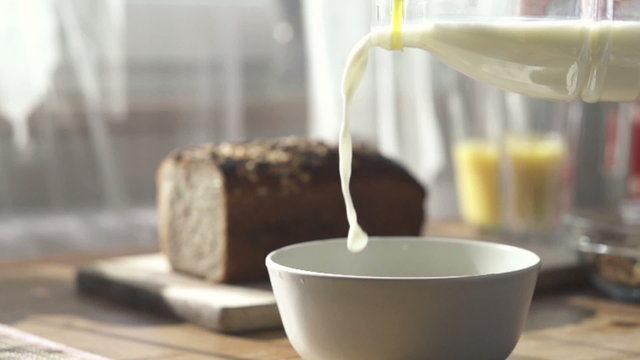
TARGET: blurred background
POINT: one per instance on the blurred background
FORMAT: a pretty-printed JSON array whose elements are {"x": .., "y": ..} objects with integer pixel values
[{"x": 95, "y": 93}]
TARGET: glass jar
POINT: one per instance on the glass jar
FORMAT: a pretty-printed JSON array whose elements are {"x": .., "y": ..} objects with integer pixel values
[{"x": 610, "y": 250}]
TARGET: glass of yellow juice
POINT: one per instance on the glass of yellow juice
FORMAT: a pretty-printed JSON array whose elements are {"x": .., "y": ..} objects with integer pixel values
[
  {"x": 476, "y": 153},
  {"x": 538, "y": 143},
  {"x": 512, "y": 157}
]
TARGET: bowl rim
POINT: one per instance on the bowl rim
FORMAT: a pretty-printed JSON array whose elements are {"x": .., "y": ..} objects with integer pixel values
[{"x": 535, "y": 266}]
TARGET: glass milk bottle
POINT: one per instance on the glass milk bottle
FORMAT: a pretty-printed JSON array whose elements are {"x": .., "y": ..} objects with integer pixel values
[{"x": 551, "y": 49}]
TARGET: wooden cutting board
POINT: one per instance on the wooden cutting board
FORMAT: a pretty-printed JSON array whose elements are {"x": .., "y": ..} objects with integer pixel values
[{"x": 147, "y": 282}]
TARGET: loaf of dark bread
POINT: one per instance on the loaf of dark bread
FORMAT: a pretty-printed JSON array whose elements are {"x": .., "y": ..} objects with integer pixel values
[{"x": 223, "y": 208}]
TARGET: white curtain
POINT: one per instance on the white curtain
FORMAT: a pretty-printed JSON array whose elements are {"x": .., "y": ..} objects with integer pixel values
[{"x": 94, "y": 93}]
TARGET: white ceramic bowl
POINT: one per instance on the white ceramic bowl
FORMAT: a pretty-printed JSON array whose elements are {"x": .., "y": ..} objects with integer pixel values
[{"x": 403, "y": 298}]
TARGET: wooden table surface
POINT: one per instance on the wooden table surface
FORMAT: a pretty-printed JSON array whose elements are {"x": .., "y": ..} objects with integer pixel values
[{"x": 38, "y": 296}]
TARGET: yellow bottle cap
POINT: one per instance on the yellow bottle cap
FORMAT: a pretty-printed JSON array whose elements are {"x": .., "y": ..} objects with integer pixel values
[{"x": 396, "y": 24}]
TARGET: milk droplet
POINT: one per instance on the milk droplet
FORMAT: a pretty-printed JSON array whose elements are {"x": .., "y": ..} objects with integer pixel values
[{"x": 357, "y": 239}]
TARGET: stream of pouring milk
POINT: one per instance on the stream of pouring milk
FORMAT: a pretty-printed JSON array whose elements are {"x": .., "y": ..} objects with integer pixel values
[
  {"x": 552, "y": 59},
  {"x": 356, "y": 65}
]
